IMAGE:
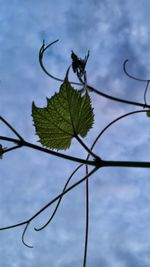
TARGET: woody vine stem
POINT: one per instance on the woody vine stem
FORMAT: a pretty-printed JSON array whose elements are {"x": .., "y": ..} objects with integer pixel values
[{"x": 78, "y": 66}]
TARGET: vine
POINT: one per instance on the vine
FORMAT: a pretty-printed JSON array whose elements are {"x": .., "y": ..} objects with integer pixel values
[{"x": 69, "y": 114}]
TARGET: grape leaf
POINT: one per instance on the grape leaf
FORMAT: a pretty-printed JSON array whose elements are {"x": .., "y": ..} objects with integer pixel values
[
  {"x": 67, "y": 114},
  {"x": 148, "y": 113}
]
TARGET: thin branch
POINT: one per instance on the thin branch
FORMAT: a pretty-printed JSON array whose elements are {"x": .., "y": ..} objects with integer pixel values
[
  {"x": 86, "y": 148},
  {"x": 61, "y": 155},
  {"x": 45, "y": 150},
  {"x": 66, "y": 191},
  {"x": 14, "y": 225},
  {"x": 120, "y": 100},
  {"x": 9, "y": 139},
  {"x": 87, "y": 219},
  {"x": 136, "y": 79},
  {"x": 41, "y": 54},
  {"x": 131, "y": 76},
  {"x": 51, "y": 202},
  {"x": 145, "y": 92},
  {"x": 117, "y": 119},
  {"x": 126, "y": 164},
  {"x": 58, "y": 203},
  {"x": 11, "y": 128},
  {"x": 10, "y": 149},
  {"x": 23, "y": 234}
]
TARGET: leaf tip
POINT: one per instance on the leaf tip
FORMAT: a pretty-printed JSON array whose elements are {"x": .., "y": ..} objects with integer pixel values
[
  {"x": 67, "y": 74},
  {"x": 33, "y": 105}
]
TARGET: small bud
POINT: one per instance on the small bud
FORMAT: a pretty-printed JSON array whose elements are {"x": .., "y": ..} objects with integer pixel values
[
  {"x": 2, "y": 149},
  {"x": 78, "y": 64}
]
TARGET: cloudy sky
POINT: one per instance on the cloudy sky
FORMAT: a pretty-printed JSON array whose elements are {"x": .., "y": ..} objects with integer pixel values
[{"x": 113, "y": 31}]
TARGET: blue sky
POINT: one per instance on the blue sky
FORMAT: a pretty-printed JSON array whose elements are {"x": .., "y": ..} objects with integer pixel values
[{"x": 113, "y": 31}]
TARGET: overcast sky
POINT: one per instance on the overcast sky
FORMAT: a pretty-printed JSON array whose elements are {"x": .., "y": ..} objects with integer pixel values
[{"x": 119, "y": 234}]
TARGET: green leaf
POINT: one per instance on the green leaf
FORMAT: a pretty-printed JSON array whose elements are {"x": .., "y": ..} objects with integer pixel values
[
  {"x": 148, "y": 113},
  {"x": 67, "y": 114}
]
